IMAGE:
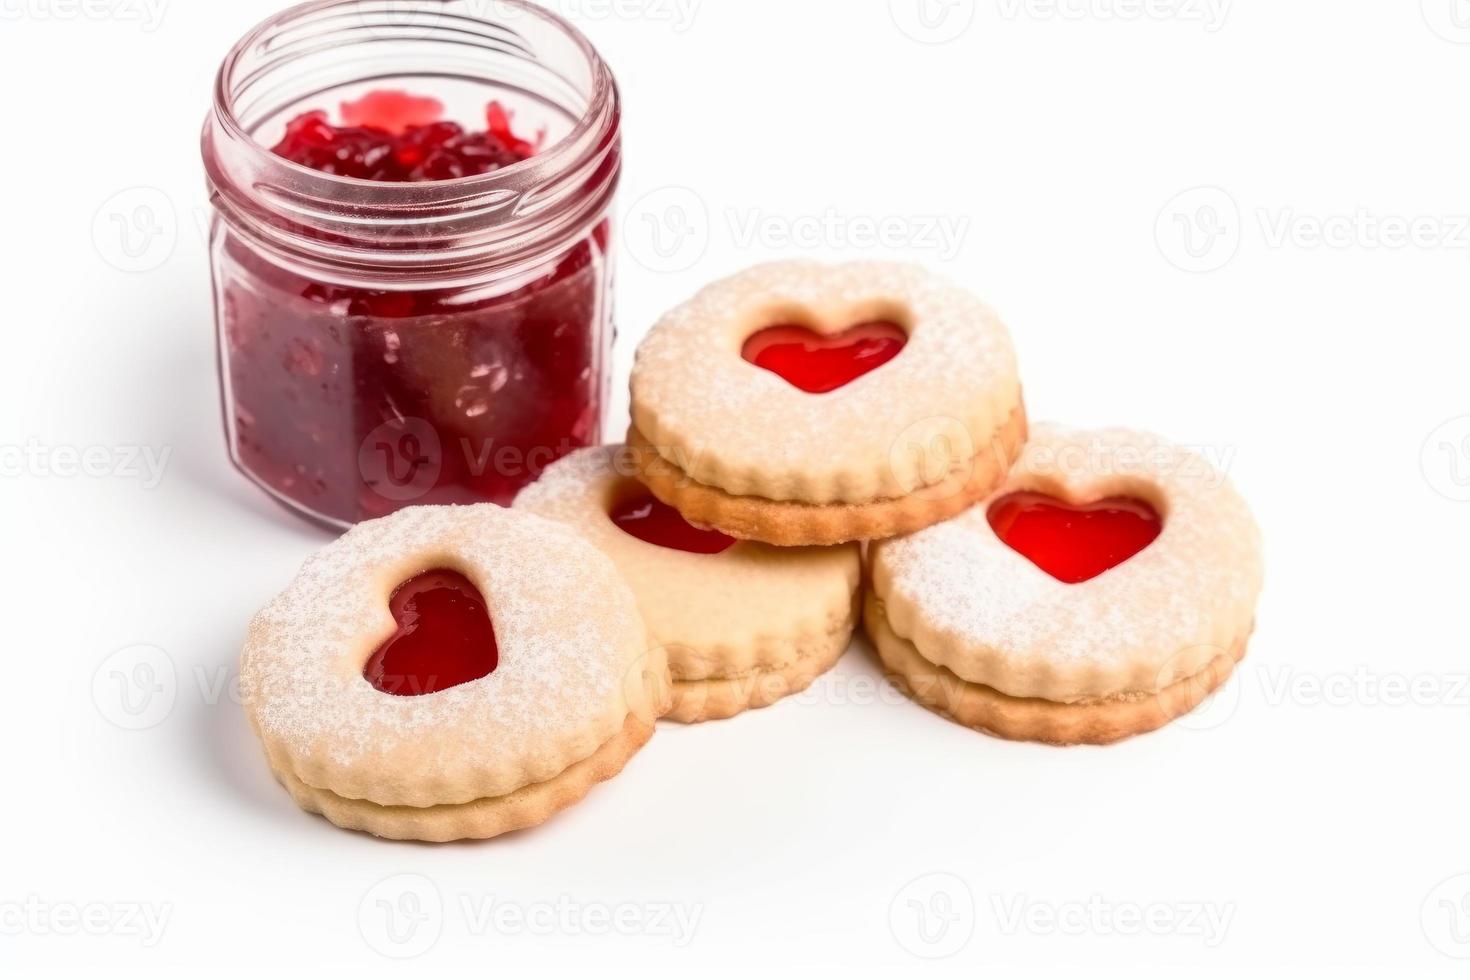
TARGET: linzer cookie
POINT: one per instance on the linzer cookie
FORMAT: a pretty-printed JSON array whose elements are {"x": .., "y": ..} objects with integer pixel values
[
  {"x": 451, "y": 672},
  {"x": 743, "y": 624},
  {"x": 1108, "y": 587},
  {"x": 804, "y": 404}
]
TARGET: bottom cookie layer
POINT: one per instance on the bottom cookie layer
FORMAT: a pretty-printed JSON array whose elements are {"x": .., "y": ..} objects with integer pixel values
[
  {"x": 987, "y": 710},
  {"x": 716, "y": 698},
  {"x": 480, "y": 819},
  {"x": 790, "y": 523}
]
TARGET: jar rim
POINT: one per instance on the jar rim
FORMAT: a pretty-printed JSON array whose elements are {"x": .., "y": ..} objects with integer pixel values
[
  {"x": 603, "y": 89},
  {"x": 422, "y": 230}
]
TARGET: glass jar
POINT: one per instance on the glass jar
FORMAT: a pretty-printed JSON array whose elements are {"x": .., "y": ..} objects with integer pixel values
[{"x": 387, "y": 344}]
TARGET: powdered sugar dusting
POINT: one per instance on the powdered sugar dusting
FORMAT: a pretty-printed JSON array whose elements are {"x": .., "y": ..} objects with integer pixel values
[
  {"x": 577, "y": 476},
  {"x": 566, "y": 627},
  {"x": 970, "y": 603},
  {"x": 750, "y": 607},
  {"x": 735, "y": 426}
]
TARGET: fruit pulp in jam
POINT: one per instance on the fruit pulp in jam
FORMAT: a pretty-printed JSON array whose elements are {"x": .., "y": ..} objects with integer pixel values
[{"x": 351, "y": 403}]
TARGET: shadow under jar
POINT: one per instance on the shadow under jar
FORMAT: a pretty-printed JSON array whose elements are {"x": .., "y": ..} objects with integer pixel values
[{"x": 383, "y": 344}]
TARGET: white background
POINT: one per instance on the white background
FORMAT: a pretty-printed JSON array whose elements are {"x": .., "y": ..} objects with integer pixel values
[{"x": 1317, "y": 807}]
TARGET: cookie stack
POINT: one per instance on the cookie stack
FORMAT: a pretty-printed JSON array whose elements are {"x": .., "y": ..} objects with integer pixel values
[{"x": 1041, "y": 583}]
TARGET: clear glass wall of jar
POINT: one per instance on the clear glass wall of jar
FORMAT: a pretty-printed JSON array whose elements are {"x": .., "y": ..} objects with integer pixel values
[{"x": 389, "y": 344}]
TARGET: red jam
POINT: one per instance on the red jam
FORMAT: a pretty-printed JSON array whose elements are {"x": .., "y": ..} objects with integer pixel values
[
  {"x": 649, "y": 519},
  {"x": 818, "y": 363},
  {"x": 350, "y": 403},
  {"x": 387, "y": 109},
  {"x": 396, "y": 137},
  {"x": 444, "y": 637},
  {"x": 1074, "y": 543}
]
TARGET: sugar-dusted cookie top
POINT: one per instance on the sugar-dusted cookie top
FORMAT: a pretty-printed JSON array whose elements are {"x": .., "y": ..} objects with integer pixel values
[
  {"x": 709, "y": 407},
  {"x": 571, "y": 649},
  {"x": 970, "y": 602}
]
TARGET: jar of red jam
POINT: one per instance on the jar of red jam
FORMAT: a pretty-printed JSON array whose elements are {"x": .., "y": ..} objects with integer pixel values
[{"x": 411, "y": 250}]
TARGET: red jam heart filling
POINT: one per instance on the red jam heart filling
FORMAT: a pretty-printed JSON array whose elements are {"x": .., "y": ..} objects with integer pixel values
[
  {"x": 649, "y": 519},
  {"x": 1071, "y": 542},
  {"x": 818, "y": 363},
  {"x": 444, "y": 637}
]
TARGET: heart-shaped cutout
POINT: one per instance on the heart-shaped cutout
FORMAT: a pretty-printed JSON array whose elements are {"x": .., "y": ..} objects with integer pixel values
[
  {"x": 1074, "y": 542},
  {"x": 818, "y": 363},
  {"x": 444, "y": 637},
  {"x": 651, "y": 520}
]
